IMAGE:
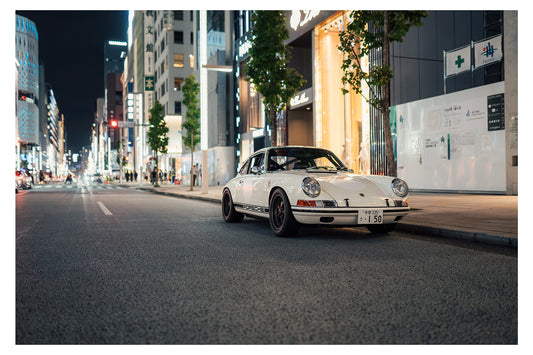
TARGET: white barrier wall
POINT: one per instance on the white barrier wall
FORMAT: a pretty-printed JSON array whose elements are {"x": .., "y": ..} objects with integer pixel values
[
  {"x": 454, "y": 142},
  {"x": 221, "y": 162}
]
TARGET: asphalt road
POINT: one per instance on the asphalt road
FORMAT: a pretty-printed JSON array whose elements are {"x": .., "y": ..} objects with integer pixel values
[{"x": 105, "y": 265}]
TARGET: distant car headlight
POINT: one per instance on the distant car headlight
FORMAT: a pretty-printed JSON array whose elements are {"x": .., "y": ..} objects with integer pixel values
[
  {"x": 399, "y": 187},
  {"x": 311, "y": 187}
]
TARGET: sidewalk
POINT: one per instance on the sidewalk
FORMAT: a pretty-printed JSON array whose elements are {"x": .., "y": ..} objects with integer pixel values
[{"x": 489, "y": 219}]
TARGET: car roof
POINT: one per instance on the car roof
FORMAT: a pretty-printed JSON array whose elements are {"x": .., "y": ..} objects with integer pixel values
[{"x": 286, "y": 146}]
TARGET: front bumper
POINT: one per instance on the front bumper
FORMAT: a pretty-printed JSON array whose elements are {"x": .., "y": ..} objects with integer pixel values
[{"x": 343, "y": 215}]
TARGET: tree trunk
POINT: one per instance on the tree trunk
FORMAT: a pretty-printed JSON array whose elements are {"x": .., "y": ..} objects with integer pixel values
[
  {"x": 156, "y": 178},
  {"x": 192, "y": 161},
  {"x": 273, "y": 127},
  {"x": 389, "y": 148}
]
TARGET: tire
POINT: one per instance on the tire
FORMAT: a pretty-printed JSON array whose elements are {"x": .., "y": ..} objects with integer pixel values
[
  {"x": 381, "y": 228},
  {"x": 281, "y": 219},
  {"x": 228, "y": 210}
]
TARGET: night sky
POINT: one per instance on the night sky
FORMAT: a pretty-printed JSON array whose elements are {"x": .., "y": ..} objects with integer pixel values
[{"x": 71, "y": 47}]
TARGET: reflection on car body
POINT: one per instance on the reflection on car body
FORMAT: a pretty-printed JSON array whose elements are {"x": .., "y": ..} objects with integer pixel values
[{"x": 304, "y": 185}]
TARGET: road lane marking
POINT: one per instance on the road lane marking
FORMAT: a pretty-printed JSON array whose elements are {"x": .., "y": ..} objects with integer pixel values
[{"x": 104, "y": 209}]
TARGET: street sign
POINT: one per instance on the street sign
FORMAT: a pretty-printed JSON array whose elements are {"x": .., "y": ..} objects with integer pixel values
[{"x": 126, "y": 124}]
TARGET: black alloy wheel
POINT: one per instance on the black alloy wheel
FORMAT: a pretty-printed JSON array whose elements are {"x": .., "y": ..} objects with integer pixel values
[
  {"x": 228, "y": 210},
  {"x": 281, "y": 219}
]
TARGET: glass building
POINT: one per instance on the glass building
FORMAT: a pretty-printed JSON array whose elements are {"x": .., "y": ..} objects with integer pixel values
[{"x": 27, "y": 57}]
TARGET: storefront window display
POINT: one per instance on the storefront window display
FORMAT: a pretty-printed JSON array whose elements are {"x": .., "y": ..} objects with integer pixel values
[{"x": 338, "y": 118}]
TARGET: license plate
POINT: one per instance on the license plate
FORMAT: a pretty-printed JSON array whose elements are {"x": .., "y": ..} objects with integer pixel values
[{"x": 370, "y": 216}]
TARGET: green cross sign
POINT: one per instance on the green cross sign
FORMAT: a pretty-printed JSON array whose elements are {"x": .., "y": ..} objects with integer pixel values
[{"x": 459, "y": 61}]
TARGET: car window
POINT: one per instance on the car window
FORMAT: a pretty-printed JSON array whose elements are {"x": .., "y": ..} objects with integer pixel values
[
  {"x": 302, "y": 158},
  {"x": 257, "y": 161},
  {"x": 244, "y": 169}
]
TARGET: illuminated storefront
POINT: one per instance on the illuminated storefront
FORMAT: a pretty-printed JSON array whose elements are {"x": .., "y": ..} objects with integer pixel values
[
  {"x": 339, "y": 120},
  {"x": 320, "y": 114}
]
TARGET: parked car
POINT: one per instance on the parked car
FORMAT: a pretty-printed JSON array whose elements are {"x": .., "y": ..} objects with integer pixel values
[
  {"x": 23, "y": 180},
  {"x": 304, "y": 185},
  {"x": 97, "y": 177}
]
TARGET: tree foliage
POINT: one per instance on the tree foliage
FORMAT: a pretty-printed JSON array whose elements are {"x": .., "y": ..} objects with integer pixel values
[
  {"x": 158, "y": 132},
  {"x": 375, "y": 30},
  {"x": 267, "y": 68},
  {"x": 191, "y": 90}
]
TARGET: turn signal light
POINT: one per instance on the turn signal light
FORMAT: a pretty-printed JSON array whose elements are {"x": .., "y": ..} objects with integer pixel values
[{"x": 316, "y": 203}]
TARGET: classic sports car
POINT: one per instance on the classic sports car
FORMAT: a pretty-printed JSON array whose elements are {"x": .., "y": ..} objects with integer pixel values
[{"x": 303, "y": 185}]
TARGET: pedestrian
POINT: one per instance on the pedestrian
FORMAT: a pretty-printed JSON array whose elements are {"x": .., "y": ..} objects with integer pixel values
[
  {"x": 195, "y": 174},
  {"x": 135, "y": 175}
]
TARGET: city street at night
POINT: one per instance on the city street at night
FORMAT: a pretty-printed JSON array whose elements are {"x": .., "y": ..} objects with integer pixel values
[
  {"x": 105, "y": 264},
  {"x": 265, "y": 177}
]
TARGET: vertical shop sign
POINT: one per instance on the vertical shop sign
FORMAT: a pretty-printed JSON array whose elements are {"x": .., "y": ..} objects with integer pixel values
[{"x": 496, "y": 112}]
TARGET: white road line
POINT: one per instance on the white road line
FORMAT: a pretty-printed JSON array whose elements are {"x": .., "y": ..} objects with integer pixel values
[{"x": 104, "y": 209}]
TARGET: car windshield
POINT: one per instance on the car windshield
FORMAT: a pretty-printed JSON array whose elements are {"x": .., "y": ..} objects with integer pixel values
[{"x": 314, "y": 159}]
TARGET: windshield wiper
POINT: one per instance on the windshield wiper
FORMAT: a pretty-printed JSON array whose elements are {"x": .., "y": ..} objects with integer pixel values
[{"x": 326, "y": 169}]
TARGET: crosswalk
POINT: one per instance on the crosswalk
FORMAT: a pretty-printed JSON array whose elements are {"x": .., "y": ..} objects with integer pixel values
[{"x": 76, "y": 186}]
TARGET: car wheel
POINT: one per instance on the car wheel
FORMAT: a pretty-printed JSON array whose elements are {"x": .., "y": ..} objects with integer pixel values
[
  {"x": 381, "y": 228},
  {"x": 282, "y": 221},
  {"x": 228, "y": 210}
]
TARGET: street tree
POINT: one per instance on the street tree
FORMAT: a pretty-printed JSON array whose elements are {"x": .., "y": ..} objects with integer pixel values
[
  {"x": 375, "y": 30},
  {"x": 267, "y": 68},
  {"x": 157, "y": 135},
  {"x": 121, "y": 159},
  {"x": 191, "y": 90}
]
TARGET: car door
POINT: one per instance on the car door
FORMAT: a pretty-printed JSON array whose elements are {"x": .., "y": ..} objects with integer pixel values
[
  {"x": 254, "y": 191},
  {"x": 238, "y": 194}
]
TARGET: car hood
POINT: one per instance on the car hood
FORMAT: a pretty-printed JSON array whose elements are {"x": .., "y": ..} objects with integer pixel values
[{"x": 352, "y": 190}]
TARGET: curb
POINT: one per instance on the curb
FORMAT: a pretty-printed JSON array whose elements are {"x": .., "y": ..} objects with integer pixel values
[
  {"x": 404, "y": 227},
  {"x": 173, "y": 194},
  {"x": 459, "y": 234}
]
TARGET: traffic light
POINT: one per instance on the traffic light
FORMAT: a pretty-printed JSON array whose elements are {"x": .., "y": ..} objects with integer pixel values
[{"x": 113, "y": 123}]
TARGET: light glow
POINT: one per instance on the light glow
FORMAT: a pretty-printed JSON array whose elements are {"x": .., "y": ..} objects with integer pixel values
[{"x": 117, "y": 43}]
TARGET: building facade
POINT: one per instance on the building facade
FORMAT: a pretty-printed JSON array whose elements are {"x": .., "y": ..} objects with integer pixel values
[
  {"x": 27, "y": 57},
  {"x": 456, "y": 131},
  {"x": 164, "y": 51},
  {"x": 320, "y": 115},
  {"x": 114, "y": 55}
]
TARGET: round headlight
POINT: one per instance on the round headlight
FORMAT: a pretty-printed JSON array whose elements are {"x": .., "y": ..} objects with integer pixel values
[
  {"x": 399, "y": 187},
  {"x": 311, "y": 187}
]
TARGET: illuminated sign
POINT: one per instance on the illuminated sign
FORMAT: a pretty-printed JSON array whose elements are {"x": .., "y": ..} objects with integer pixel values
[
  {"x": 298, "y": 21},
  {"x": 302, "y": 98},
  {"x": 117, "y": 43}
]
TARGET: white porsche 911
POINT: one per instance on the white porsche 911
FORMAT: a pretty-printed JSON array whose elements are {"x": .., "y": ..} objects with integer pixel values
[{"x": 303, "y": 185}]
